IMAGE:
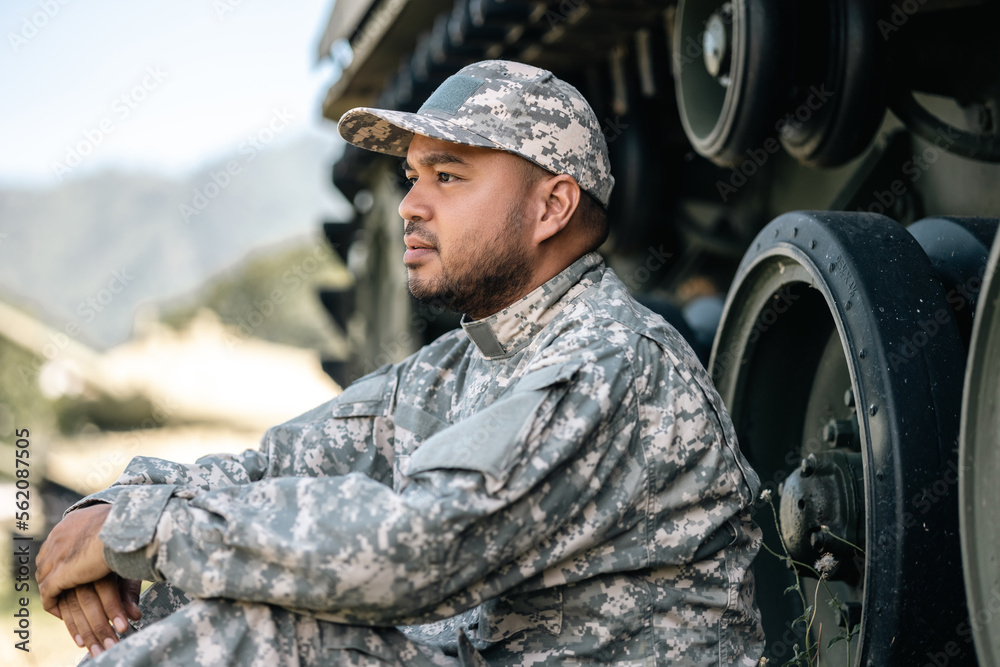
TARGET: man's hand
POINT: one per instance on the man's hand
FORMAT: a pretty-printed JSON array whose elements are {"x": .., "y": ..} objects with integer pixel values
[
  {"x": 76, "y": 584},
  {"x": 87, "y": 609},
  {"x": 72, "y": 555}
]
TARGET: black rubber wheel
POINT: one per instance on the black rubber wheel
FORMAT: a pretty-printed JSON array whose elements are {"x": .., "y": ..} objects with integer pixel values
[
  {"x": 958, "y": 249},
  {"x": 979, "y": 472},
  {"x": 826, "y": 303},
  {"x": 840, "y": 98},
  {"x": 732, "y": 74}
]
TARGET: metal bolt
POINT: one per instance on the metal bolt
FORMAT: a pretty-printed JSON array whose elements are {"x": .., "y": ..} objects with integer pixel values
[
  {"x": 818, "y": 540},
  {"x": 808, "y": 465},
  {"x": 839, "y": 432},
  {"x": 716, "y": 42},
  {"x": 984, "y": 121}
]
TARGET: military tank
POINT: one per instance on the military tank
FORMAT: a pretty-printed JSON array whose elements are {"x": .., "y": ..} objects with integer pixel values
[{"x": 809, "y": 192}]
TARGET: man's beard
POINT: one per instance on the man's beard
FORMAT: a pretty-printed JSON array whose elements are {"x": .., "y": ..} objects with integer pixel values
[{"x": 484, "y": 282}]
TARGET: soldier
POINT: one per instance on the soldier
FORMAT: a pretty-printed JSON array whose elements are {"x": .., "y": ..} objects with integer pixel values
[{"x": 557, "y": 482}]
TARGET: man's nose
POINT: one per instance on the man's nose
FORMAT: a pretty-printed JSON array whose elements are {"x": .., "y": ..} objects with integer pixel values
[{"x": 413, "y": 206}]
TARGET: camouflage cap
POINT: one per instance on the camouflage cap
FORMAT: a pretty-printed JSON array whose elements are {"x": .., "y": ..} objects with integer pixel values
[{"x": 499, "y": 104}]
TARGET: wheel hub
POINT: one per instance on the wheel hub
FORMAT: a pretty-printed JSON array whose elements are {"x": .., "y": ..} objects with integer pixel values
[
  {"x": 716, "y": 43},
  {"x": 824, "y": 498}
]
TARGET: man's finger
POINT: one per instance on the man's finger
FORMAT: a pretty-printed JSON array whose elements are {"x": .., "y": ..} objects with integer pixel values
[
  {"x": 50, "y": 600},
  {"x": 87, "y": 637},
  {"x": 93, "y": 610},
  {"x": 130, "y": 590},
  {"x": 59, "y": 610},
  {"x": 69, "y": 620},
  {"x": 42, "y": 561},
  {"x": 111, "y": 601}
]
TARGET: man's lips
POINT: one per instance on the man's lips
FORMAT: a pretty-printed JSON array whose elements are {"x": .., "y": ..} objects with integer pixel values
[{"x": 416, "y": 249}]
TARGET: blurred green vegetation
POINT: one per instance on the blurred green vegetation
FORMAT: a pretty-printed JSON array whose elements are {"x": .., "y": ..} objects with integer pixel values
[
  {"x": 272, "y": 294},
  {"x": 22, "y": 404}
]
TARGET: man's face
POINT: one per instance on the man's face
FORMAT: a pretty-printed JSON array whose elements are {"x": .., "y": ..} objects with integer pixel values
[{"x": 467, "y": 235}]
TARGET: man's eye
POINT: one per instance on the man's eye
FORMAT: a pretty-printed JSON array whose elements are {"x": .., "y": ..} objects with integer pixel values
[{"x": 445, "y": 177}]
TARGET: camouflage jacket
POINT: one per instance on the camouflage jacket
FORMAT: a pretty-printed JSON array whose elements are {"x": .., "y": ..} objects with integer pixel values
[{"x": 556, "y": 483}]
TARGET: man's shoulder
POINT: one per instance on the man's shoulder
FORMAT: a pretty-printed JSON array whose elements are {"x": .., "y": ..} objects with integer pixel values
[
  {"x": 443, "y": 351},
  {"x": 605, "y": 316},
  {"x": 605, "y": 305}
]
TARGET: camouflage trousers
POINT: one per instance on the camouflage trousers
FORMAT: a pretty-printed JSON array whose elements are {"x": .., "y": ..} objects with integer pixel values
[{"x": 176, "y": 630}]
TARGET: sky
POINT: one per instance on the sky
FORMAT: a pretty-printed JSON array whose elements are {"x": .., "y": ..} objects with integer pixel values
[{"x": 158, "y": 85}]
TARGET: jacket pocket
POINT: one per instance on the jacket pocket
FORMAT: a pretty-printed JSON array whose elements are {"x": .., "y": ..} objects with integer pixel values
[
  {"x": 420, "y": 423},
  {"x": 356, "y": 640},
  {"x": 353, "y": 435},
  {"x": 505, "y": 616},
  {"x": 368, "y": 397},
  {"x": 490, "y": 441}
]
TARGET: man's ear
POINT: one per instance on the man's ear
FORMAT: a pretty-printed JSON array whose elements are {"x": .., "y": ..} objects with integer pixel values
[{"x": 562, "y": 196}]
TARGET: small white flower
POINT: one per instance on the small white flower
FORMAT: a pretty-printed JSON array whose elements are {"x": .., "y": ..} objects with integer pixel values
[
  {"x": 826, "y": 565},
  {"x": 765, "y": 495}
]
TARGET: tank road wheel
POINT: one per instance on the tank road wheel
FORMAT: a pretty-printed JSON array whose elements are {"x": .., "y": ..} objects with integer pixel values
[
  {"x": 979, "y": 471},
  {"x": 809, "y": 73},
  {"x": 838, "y": 96},
  {"x": 959, "y": 249},
  {"x": 845, "y": 394},
  {"x": 731, "y": 73}
]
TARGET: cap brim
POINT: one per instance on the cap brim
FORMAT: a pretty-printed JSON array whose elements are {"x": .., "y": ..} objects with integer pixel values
[{"x": 390, "y": 132}]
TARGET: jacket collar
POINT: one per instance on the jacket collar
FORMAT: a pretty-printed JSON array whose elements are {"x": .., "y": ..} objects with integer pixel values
[{"x": 508, "y": 331}]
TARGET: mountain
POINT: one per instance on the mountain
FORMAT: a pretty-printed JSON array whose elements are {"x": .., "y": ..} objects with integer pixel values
[{"x": 92, "y": 249}]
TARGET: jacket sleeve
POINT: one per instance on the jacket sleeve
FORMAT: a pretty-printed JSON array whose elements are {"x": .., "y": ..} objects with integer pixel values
[
  {"x": 206, "y": 473},
  {"x": 487, "y": 503}
]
